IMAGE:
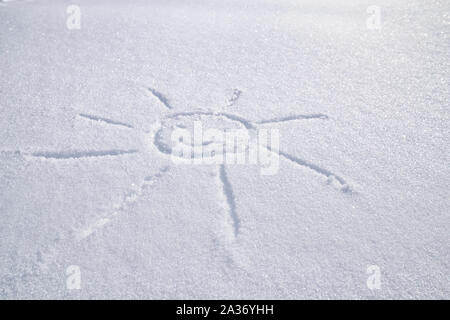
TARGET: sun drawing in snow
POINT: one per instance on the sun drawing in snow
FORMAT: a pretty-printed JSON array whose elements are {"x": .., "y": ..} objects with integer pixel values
[{"x": 159, "y": 135}]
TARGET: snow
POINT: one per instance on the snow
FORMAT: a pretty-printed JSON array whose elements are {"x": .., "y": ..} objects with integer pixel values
[{"x": 363, "y": 177}]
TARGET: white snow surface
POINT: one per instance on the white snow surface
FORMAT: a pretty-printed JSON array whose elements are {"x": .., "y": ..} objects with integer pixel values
[{"x": 83, "y": 183}]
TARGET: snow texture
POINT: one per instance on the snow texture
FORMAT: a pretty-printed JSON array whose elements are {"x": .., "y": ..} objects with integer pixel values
[{"x": 86, "y": 178}]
